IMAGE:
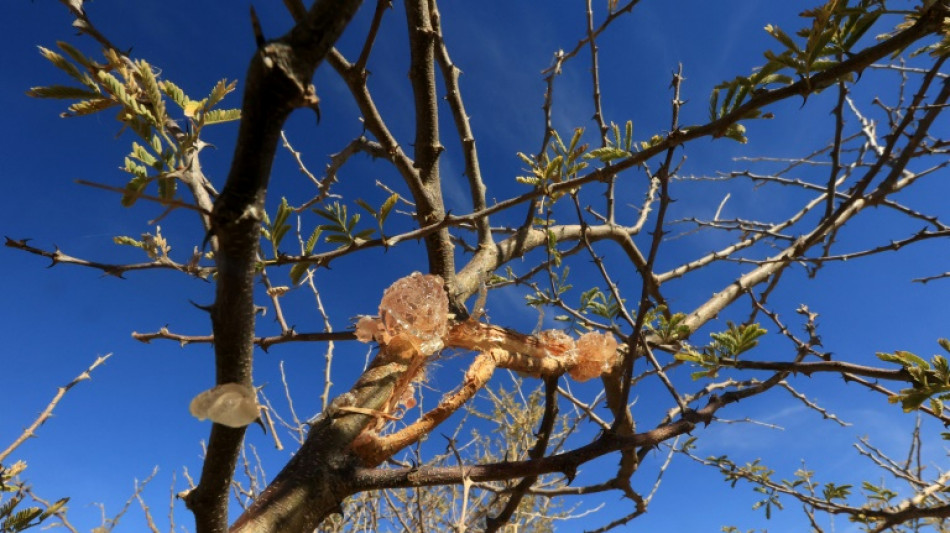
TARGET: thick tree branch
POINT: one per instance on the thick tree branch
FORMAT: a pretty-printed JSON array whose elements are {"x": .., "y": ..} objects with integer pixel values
[{"x": 277, "y": 82}]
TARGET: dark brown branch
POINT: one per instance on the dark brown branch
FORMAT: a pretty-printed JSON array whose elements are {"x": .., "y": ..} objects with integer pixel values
[
  {"x": 278, "y": 81},
  {"x": 809, "y": 368},
  {"x": 565, "y": 463},
  {"x": 381, "y": 7}
]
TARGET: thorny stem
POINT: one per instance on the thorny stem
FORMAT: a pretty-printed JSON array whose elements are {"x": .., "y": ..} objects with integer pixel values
[
  {"x": 636, "y": 341},
  {"x": 30, "y": 431},
  {"x": 598, "y": 109}
]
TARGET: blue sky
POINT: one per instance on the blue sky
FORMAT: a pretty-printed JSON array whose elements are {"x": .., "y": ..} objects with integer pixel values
[{"x": 133, "y": 415}]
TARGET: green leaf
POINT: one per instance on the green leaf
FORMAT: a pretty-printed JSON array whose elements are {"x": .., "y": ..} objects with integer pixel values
[
  {"x": 312, "y": 241},
  {"x": 216, "y": 116},
  {"x": 362, "y": 203},
  {"x": 150, "y": 84},
  {"x": 174, "y": 92},
  {"x": 57, "y": 506},
  {"x": 139, "y": 152},
  {"x": 132, "y": 191},
  {"x": 345, "y": 239},
  {"x": 135, "y": 169},
  {"x": 576, "y": 138},
  {"x": 714, "y": 104},
  {"x": 76, "y": 55},
  {"x": 607, "y": 154},
  {"x": 937, "y": 406},
  {"x": 551, "y": 171},
  {"x": 911, "y": 359},
  {"x": 88, "y": 107},
  {"x": 63, "y": 64},
  {"x": 115, "y": 88},
  {"x": 364, "y": 234},
  {"x": 298, "y": 271},
  {"x": 279, "y": 227},
  {"x": 220, "y": 90},
  {"x": 156, "y": 143},
  {"x": 387, "y": 207},
  {"x": 782, "y": 37},
  {"x": 528, "y": 161},
  {"x": 327, "y": 214},
  {"x": 860, "y": 27}
]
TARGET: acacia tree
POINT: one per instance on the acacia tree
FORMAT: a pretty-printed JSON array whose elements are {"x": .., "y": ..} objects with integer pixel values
[{"x": 573, "y": 210}]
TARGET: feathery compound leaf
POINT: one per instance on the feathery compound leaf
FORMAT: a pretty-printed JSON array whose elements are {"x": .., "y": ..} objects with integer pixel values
[
  {"x": 362, "y": 203},
  {"x": 174, "y": 92},
  {"x": 220, "y": 90},
  {"x": 59, "y": 505},
  {"x": 62, "y": 63},
  {"x": 88, "y": 107},
  {"x": 133, "y": 189},
  {"x": 607, "y": 154},
  {"x": 75, "y": 54},
  {"x": 312, "y": 241},
  {"x": 125, "y": 240},
  {"x": 115, "y": 87},
  {"x": 21, "y": 519},
  {"x": 62, "y": 92},
  {"x": 714, "y": 104},
  {"x": 859, "y": 27},
  {"x": 220, "y": 115},
  {"x": 150, "y": 84},
  {"x": 297, "y": 272},
  {"x": 135, "y": 169},
  {"x": 782, "y": 37},
  {"x": 280, "y": 227},
  {"x": 142, "y": 154}
]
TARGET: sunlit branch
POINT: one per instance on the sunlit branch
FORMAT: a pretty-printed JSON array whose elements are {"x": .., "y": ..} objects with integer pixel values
[{"x": 264, "y": 342}]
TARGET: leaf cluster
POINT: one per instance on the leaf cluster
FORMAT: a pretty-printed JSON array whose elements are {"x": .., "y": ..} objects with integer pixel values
[
  {"x": 724, "y": 348},
  {"x": 931, "y": 381},
  {"x": 552, "y": 295},
  {"x": 155, "y": 246},
  {"x": 341, "y": 228},
  {"x": 14, "y": 517},
  {"x": 801, "y": 483},
  {"x": 133, "y": 87},
  {"x": 620, "y": 147},
  {"x": 667, "y": 329},
  {"x": 560, "y": 162},
  {"x": 835, "y": 29}
]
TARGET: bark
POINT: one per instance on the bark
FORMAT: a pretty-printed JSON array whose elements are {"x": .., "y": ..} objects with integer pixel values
[{"x": 277, "y": 82}]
